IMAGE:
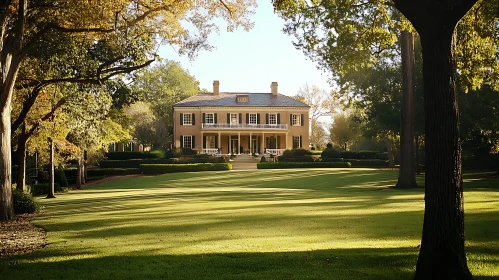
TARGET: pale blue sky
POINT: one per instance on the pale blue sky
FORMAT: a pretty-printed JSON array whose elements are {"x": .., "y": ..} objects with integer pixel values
[{"x": 250, "y": 61}]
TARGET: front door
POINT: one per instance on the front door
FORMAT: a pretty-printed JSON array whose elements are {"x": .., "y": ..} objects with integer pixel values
[
  {"x": 234, "y": 146},
  {"x": 254, "y": 146}
]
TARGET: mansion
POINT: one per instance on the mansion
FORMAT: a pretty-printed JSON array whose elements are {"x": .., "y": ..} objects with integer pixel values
[{"x": 236, "y": 123}]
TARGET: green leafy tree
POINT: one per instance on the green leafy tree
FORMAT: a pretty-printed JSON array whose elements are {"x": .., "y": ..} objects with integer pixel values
[
  {"x": 346, "y": 129},
  {"x": 161, "y": 86},
  {"x": 121, "y": 33},
  {"x": 442, "y": 249}
]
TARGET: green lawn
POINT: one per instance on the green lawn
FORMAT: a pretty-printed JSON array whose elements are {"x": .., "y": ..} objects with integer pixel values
[{"x": 265, "y": 224}]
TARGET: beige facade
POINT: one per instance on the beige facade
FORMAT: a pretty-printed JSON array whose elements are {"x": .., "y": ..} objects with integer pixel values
[{"x": 237, "y": 129}]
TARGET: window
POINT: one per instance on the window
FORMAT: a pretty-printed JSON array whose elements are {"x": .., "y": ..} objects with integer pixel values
[
  {"x": 234, "y": 119},
  {"x": 295, "y": 120},
  {"x": 210, "y": 142},
  {"x": 187, "y": 141},
  {"x": 252, "y": 119},
  {"x": 296, "y": 142},
  {"x": 273, "y": 119},
  {"x": 209, "y": 118},
  {"x": 187, "y": 119}
]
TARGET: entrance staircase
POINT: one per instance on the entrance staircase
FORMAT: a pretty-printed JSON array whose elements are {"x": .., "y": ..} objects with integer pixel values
[{"x": 244, "y": 162}]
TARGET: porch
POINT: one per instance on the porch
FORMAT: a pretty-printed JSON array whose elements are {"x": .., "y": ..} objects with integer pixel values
[{"x": 226, "y": 143}]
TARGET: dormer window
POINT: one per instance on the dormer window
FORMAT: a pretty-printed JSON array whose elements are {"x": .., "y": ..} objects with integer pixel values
[{"x": 242, "y": 98}]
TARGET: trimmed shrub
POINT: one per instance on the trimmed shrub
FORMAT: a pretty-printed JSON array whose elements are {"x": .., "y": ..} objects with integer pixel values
[
  {"x": 60, "y": 178},
  {"x": 263, "y": 159},
  {"x": 173, "y": 168},
  {"x": 223, "y": 159},
  {"x": 330, "y": 153},
  {"x": 40, "y": 189},
  {"x": 157, "y": 153},
  {"x": 133, "y": 163},
  {"x": 329, "y": 146},
  {"x": 184, "y": 152},
  {"x": 296, "y": 155},
  {"x": 280, "y": 165},
  {"x": 201, "y": 158},
  {"x": 332, "y": 159},
  {"x": 131, "y": 155},
  {"x": 24, "y": 203},
  {"x": 111, "y": 171},
  {"x": 369, "y": 163}
]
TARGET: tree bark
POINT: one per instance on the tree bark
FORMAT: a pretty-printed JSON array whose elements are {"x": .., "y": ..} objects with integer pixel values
[
  {"x": 442, "y": 253},
  {"x": 416, "y": 139},
  {"x": 84, "y": 180},
  {"x": 79, "y": 173},
  {"x": 51, "y": 171},
  {"x": 407, "y": 176},
  {"x": 6, "y": 207},
  {"x": 21, "y": 161}
]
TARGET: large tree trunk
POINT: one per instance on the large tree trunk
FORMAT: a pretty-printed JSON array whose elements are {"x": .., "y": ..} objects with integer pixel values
[
  {"x": 84, "y": 173},
  {"x": 80, "y": 173},
  {"x": 416, "y": 139},
  {"x": 407, "y": 176},
  {"x": 51, "y": 171},
  {"x": 21, "y": 162},
  {"x": 6, "y": 207},
  {"x": 442, "y": 253}
]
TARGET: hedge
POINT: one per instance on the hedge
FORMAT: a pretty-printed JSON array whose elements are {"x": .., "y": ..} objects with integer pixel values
[
  {"x": 172, "y": 168},
  {"x": 40, "y": 189},
  {"x": 305, "y": 158},
  {"x": 279, "y": 165},
  {"x": 202, "y": 159},
  {"x": 364, "y": 155},
  {"x": 96, "y": 172},
  {"x": 369, "y": 162},
  {"x": 332, "y": 159},
  {"x": 132, "y": 155},
  {"x": 133, "y": 163}
]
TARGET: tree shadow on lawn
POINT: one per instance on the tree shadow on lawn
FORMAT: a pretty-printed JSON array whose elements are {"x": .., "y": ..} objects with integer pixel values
[
  {"x": 362, "y": 263},
  {"x": 358, "y": 263}
]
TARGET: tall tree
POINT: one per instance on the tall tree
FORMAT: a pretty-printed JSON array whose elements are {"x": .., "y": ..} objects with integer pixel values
[
  {"x": 25, "y": 25},
  {"x": 407, "y": 178},
  {"x": 346, "y": 129},
  {"x": 321, "y": 104},
  {"x": 161, "y": 86},
  {"x": 442, "y": 250}
]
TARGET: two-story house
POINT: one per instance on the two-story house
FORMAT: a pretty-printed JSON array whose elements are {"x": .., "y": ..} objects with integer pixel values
[{"x": 232, "y": 122}]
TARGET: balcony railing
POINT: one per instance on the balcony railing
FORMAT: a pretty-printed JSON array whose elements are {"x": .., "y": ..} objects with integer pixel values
[
  {"x": 275, "y": 152},
  {"x": 245, "y": 126},
  {"x": 211, "y": 151}
]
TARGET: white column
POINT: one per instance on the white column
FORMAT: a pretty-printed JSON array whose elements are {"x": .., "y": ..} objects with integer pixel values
[
  {"x": 238, "y": 143},
  {"x": 250, "y": 142},
  {"x": 263, "y": 142},
  {"x": 286, "y": 146},
  {"x": 202, "y": 142},
  {"x": 219, "y": 141}
]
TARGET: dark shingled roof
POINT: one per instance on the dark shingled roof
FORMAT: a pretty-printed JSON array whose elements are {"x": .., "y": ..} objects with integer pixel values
[{"x": 228, "y": 99}]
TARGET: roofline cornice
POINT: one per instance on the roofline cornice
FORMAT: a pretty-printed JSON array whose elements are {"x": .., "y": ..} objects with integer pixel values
[{"x": 250, "y": 108}]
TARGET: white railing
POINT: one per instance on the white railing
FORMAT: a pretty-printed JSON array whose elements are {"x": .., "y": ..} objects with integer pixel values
[
  {"x": 244, "y": 126},
  {"x": 210, "y": 151},
  {"x": 275, "y": 152}
]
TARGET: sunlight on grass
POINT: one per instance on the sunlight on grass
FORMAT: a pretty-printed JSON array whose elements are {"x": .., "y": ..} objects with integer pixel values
[{"x": 283, "y": 221}]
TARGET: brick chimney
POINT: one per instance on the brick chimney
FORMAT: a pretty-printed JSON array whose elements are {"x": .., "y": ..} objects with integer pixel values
[
  {"x": 216, "y": 88},
  {"x": 273, "y": 88}
]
